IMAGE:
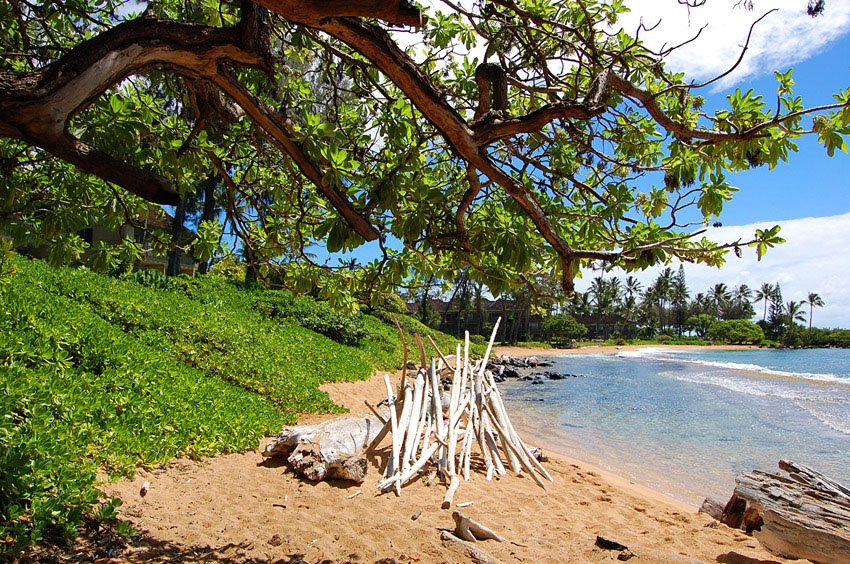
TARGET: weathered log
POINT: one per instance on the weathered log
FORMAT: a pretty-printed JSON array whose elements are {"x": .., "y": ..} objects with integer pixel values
[
  {"x": 307, "y": 460},
  {"x": 800, "y": 515},
  {"x": 327, "y": 451}
]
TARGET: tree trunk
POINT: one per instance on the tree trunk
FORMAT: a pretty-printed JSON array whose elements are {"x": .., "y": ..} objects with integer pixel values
[
  {"x": 173, "y": 268},
  {"x": 208, "y": 187}
]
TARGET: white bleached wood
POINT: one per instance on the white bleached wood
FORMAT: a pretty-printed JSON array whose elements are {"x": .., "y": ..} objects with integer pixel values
[
  {"x": 470, "y": 433},
  {"x": 438, "y": 412},
  {"x": 413, "y": 422},
  {"x": 450, "y": 493},
  {"x": 410, "y": 473},
  {"x": 424, "y": 415},
  {"x": 522, "y": 459},
  {"x": 392, "y": 465}
]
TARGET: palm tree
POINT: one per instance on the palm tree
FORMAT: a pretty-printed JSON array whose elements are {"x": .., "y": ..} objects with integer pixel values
[
  {"x": 814, "y": 301},
  {"x": 661, "y": 292},
  {"x": 720, "y": 295},
  {"x": 633, "y": 287},
  {"x": 765, "y": 293},
  {"x": 794, "y": 312},
  {"x": 679, "y": 295}
]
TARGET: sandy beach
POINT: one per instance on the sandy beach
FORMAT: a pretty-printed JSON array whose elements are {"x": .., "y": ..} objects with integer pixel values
[{"x": 243, "y": 508}]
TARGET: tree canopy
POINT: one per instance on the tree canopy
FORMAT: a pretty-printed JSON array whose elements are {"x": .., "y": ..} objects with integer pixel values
[{"x": 521, "y": 139}]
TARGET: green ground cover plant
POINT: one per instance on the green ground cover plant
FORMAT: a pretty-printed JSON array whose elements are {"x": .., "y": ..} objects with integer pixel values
[{"x": 99, "y": 373}]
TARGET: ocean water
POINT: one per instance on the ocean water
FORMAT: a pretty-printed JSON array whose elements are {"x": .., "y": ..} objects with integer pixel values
[{"x": 685, "y": 422}]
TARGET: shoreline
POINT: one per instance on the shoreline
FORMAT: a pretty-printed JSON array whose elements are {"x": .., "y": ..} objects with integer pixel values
[
  {"x": 243, "y": 507},
  {"x": 574, "y": 456},
  {"x": 609, "y": 349}
]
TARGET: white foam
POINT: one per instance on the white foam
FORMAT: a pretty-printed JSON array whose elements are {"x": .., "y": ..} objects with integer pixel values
[
  {"x": 667, "y": 354},
  {"x": 832, "y": 420}
]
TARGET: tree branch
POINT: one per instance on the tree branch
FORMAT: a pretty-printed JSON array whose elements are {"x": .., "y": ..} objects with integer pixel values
[
  {"x": 313, "y": 14},
  {"x": 488, "y": 131},
  {"x": 36, "y": 108}
]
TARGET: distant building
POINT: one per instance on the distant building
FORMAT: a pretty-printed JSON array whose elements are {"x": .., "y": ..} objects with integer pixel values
[
  {"x": 518, "y": 323},
  {"x": 604, "y": 325},
  {"x": 157, "y": 219}
]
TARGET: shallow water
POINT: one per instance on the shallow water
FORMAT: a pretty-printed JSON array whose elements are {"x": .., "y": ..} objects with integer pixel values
[{"x": 685, "y": 422}]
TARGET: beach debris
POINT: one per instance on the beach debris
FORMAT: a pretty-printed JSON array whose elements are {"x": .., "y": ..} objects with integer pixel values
[
  {"x": 465, "y": 504},
  {"x": 796, "y": 514},
  {"x": 431, "y": 426},
  {"x": 610, "y": 544},
  {"x": 712, "y": 508},
  {"x": 145, "y": 487},
  {"x": 471, "y": 530},
  {"x": 329, "y": 451},
  {"x": 468, "y": 549},
  {"x": 416, "y": 515}
]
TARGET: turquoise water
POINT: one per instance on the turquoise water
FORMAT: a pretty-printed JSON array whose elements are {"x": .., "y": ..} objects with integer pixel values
[{"x": 685, "y": 422}]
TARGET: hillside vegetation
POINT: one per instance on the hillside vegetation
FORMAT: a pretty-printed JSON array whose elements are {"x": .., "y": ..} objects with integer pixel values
[{"x": 102, "y": 373}]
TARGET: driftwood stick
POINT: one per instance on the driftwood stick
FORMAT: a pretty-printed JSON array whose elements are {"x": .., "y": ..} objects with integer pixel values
[
  {"x": 436, "y": 400},
  {"x": 411, "y": 472},
  {"x": 403, "y": 342},
  {"x": 523, "y": 460},
  {"x": 424, "y": 410},
  {"x": 470, "y": 433},
  {"x": 494, "y": 449},
  {"x": 422, "y": 360},
  {"x": 450, "y": 493},
  {"x": 497, "y": 420},
  {"x": 499, "y": 404},
  {"x": 471, "y": 530},
  {"x": 468, "y": 550},
  {"x": 413, "y": 423},
  {"x": 440, "y": 353},
  {"x": 490, "y": 345},
  {"x": 393, "y": 462},
  {"x": 375, "y": 411},
  {"x": 380, "y": 436}
]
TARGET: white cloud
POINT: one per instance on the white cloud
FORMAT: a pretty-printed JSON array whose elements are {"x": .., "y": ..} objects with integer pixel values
[
  {"x": 782, "y": 39},
  {"x": 814, "y": 258}
]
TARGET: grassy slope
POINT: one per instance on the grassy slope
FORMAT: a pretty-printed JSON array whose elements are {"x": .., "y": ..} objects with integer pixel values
[{"x": 98, "y": 372}]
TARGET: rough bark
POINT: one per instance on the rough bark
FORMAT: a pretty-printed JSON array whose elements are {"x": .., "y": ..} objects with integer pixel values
[
  {"x": 800, "y": 514},
  {"x": 330, "y": 451}
]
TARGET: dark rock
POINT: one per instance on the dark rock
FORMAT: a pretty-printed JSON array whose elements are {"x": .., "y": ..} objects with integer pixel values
[{"x": 511, "y": 373}]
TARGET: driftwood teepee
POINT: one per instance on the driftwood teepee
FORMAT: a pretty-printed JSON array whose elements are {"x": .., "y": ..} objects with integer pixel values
[{"x": 439, "y": 429}]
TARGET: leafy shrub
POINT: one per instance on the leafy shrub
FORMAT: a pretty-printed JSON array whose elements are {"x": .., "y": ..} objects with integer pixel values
[
  {"x": 563, "y": 328},
  {"x": 230, "y": 268},
  {"x": 478, "y": 340},
  {"x": 700, "y": 324},
  {"x": 735, "y": 331},
  {"x": 389, "y": 302},
  {"x": 152, "y": 279},
  {"x": 316, "y": 316},
  {"x": 78, "y": 393}
]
